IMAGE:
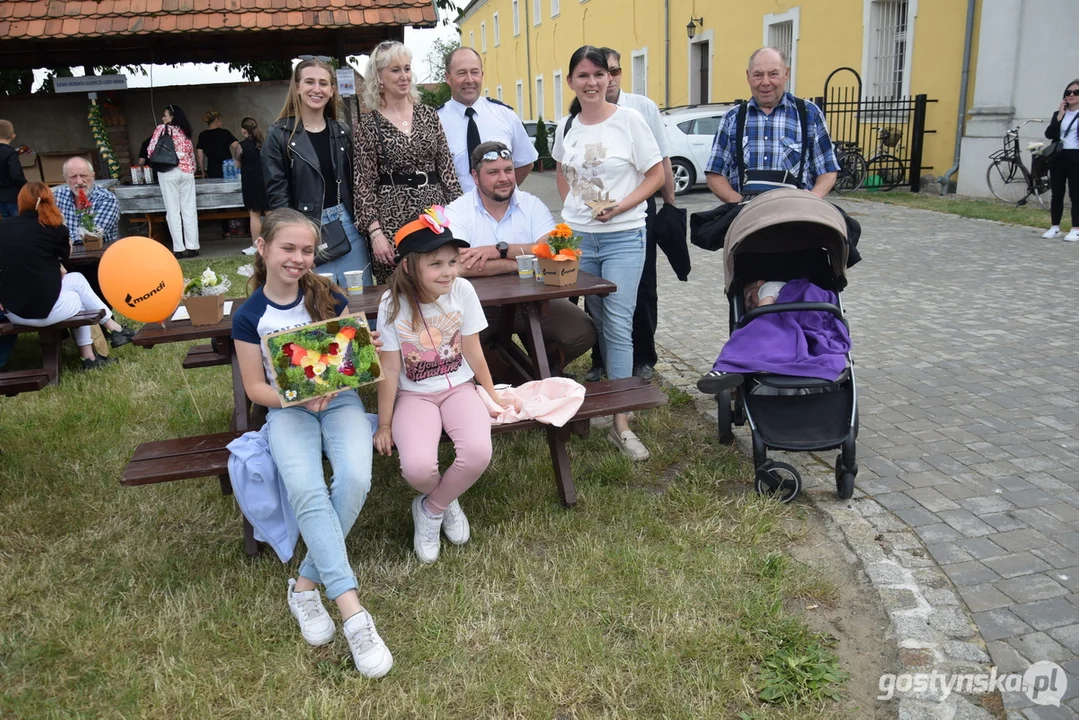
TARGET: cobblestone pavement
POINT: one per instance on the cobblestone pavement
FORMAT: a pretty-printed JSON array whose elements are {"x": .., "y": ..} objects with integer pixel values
[{"x": 965, "y": 353}]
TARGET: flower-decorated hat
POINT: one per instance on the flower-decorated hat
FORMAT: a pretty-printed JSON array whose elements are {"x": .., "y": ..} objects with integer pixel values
[{"x": 429, "y": 232}]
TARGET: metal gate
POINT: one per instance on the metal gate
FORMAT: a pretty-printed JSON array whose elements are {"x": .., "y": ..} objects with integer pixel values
[{"x": 888, "y": 131}]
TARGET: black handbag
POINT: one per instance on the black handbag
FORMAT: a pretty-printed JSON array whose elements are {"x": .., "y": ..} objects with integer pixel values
[
  {"x": 334, "y": 243},
  {"x": 164, "y": 156}
]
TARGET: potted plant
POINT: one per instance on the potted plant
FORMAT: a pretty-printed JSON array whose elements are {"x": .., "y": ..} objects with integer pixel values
[
  {"x": 92, "y": 238},
  {"x": 204, "y": 297},
  {"x": 559, "y": 256}
]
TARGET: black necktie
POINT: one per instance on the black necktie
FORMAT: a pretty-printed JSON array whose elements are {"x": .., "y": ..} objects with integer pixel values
[{"x": 473, "y": 137}]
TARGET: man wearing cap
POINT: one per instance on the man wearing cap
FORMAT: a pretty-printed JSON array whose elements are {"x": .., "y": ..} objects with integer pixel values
[
  {"x": 500, "y": 221},
  {"x": 468, "y": 119}
]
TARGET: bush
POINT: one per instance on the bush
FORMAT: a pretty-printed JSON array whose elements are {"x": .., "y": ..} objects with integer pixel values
[{"x": 543, "y": 146}]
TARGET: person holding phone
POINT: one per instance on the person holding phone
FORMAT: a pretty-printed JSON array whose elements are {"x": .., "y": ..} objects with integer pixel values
[{"x": 1064, "y": 167}]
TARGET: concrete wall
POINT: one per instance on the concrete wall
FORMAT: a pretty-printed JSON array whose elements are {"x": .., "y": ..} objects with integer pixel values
[
  {"x": 58, "y": 124},
  {"x": 1027, "y": 55}
]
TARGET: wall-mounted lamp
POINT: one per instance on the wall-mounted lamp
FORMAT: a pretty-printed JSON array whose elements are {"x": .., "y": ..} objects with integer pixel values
[{"x": 691, "y": 29}]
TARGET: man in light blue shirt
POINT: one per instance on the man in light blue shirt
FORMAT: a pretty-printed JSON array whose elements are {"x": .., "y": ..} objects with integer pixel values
[
  {"x": 468, "y": 119},
  {"x": 500, "y": 221}
]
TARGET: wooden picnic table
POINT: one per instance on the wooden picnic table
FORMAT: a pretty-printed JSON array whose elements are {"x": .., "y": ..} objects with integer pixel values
[
  {"x": 510, "y": 291},
  {"x": 81, "y": 256}
]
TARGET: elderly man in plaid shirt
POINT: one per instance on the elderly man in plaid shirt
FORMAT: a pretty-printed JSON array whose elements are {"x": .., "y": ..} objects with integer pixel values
[
  {"x": 106, "y": 208},
  {"x": 773, "y": 135}
]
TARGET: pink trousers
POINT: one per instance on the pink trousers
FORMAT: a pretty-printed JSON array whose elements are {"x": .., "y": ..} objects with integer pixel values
[{"x": 418, "y": 422}]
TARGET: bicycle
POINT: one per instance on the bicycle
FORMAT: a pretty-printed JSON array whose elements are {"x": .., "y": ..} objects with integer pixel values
[
  {"x": 852, "y": 167},
  {"x": 1009, "y": 179},
  {"x": 889, "y": 169}
]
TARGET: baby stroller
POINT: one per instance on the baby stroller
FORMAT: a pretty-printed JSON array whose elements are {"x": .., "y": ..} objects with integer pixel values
[{"x": 786, "y": 234}]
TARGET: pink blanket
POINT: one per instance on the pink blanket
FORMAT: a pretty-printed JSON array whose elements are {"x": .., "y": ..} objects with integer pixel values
[{"x": 553, "y": 401}]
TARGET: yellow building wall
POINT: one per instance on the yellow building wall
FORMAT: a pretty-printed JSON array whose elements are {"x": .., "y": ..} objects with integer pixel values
[{"x": 830, "y": 35}]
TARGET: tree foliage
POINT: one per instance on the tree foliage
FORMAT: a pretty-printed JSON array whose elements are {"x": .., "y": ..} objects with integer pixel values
[
  {"x": 264, "y": 70},
  {"x": 437, "y": 97},
  {"x": 436, "y": 59}
]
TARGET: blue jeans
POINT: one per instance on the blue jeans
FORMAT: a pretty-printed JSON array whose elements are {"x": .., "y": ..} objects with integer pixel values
[
  {"x": 9, "y": 209},
  {"x": 618, "y": 257},
  {"x": 324, "y": 515},
  {"x": 357, "y": 258}
]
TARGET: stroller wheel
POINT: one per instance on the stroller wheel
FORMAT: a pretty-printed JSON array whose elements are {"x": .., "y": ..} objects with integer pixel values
[
  {"x": 778, "y": 480},
  {"x": 724, "y": 417},
  {"x": 844, "y": 480}
]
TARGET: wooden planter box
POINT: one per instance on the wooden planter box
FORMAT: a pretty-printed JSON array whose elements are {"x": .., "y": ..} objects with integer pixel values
[
  {"x": 92, "y": 242},
  {"x": 205, "y": 310},
  {"x": 556, "y": 272}
]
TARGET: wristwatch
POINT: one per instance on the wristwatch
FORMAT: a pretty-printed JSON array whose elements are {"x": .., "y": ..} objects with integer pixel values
[{"x": 503, "y": 247}]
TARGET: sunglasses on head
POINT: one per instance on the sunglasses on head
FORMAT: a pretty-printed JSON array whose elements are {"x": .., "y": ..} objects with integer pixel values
[
  {"x": 1071, "y": 92},
  {"x": 615, "y": 71},
  {"x": 491, "y": 155},
  {"x": 323, "y": 58}
]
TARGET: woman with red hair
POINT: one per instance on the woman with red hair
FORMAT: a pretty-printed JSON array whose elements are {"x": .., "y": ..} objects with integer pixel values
[{"x": 35, "y": 289}]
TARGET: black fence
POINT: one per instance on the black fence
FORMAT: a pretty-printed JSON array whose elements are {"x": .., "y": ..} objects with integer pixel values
[{"x": 889, "y": 132}]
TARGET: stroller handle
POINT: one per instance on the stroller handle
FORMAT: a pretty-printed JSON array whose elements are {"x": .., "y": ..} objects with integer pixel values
[{"x": 790, "y": 307}]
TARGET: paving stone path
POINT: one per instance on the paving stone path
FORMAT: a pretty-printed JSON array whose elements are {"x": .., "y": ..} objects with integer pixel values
[{"x": 966, "y": 346}]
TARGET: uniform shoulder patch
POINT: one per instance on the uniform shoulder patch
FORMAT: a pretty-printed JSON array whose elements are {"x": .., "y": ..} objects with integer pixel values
[{"x": 499, "y": 102}]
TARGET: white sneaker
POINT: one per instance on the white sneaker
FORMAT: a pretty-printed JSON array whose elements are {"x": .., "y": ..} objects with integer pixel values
[
  {"x": 369, "y": 652},
  {"x": 316, "y": 625},
  {"x": 630, "y": 446},
  {"x": 455, "y": 524},
  {"x": 1051, "y": 233},
  {"x": 425, "y": 539},
  {"x": 1073, "y": 236}
]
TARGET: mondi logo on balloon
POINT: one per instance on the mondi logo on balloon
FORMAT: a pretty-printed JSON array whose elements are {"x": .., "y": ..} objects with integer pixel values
[{"x": 132, "y": 302}]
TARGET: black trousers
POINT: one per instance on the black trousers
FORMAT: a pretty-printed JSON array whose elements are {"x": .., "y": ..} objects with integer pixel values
[
  {"x": 1065, "y": 169},
  {"x": 646, "y": 316}
]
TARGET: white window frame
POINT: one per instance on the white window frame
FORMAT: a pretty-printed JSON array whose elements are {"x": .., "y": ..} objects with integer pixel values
[
  {"x": 487, "y": 92},
  {"x": 521, "y": 99},
  {"x": 516, "y": 7},
  {"x": 472, "y": 39},
  {"x": 537, "y": 111},
  {"x": 633, "y": 55},
  {"x": 537, "y": 12},
  {"x": 556, "y": 87},
  {"x": 498, "y": 92},
  {"x": 708, "y": 36},
  {"x": 483, "y": 37},
  {"x": 496, "y": 28},
  {"x": 868, "y": 43},
  {"x": 793, "y": 16},
  {"x": 555, "y": 9}
]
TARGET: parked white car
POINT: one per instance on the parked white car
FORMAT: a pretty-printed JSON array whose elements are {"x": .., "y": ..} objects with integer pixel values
[{"x": 690, "y": 132}]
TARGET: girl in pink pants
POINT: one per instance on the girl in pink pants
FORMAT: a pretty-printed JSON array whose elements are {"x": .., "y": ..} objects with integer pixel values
[{"x": 430, "y": 321}]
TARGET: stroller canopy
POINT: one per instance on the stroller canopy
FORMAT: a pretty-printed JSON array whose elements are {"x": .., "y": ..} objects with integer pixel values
[{"x": 782, "y": 221}]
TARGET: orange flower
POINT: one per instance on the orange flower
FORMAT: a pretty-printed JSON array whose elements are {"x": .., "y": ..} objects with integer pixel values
[
  {"x": 542, "y": 250},
  {"x": 349, "y": 332},
  {"x": 562, "y": 230},
  {"x": 567, "y": 254}
]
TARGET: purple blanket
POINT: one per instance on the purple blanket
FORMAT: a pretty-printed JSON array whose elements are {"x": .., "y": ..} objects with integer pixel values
[{"x": 804, "y": 343}]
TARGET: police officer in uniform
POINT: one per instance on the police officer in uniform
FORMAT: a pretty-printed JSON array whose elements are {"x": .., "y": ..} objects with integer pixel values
[{"x": 469, "y": 119}]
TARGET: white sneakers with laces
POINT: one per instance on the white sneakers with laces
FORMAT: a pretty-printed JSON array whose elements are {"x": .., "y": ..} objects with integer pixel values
[
  {"x": 1051, "y": 233},
  {"x": 316, "y": 625},
  {"x": 455, "y": 524},
  {"x": 373, "y": 659},
  {"x": 628, "y": 443},
  {"x": 1072, "y": 236},
  {"x": 425, "y": 539}
]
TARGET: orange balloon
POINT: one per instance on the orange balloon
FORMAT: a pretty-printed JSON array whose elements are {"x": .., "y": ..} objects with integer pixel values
[{"x": 141, "y": 279}]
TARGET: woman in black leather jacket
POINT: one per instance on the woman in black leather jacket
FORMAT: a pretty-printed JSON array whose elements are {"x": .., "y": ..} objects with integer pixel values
[{"x": 307, "y": 162}]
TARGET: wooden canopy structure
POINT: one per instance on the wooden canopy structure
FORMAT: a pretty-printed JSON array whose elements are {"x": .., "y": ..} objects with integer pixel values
[{"x": 59, "y": 33}]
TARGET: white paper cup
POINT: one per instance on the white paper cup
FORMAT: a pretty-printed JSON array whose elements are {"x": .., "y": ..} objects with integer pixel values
[
  {"x": 354, "y": 282},
  {"x": 329, "y": 276},
  {"x": 524, "y": 266},
  {"x": 537, "y": 270}
]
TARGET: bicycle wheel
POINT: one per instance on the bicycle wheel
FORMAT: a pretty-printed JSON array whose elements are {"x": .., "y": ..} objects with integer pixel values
[
  {"x": 852, "y": 172},
  {"x": 1041, "y": 189},
  {"x": 889, "y": 169},
  {"x": 1008, "y": 180}
]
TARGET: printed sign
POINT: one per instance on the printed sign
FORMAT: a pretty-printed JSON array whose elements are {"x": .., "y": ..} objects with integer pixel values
[
  {"x": 346, "y": 81},
  {"x": 90, "y": 83}
]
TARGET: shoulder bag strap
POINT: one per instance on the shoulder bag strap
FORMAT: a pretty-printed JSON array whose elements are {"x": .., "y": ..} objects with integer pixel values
[
  {"x": 807, "y": 145},
  {"x": 739, "y": 136}
]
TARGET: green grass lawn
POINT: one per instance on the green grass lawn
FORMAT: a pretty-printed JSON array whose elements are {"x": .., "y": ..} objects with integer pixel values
[
  {"x": 1031, "y": 215},
  {"x": 667, "y": 592}
]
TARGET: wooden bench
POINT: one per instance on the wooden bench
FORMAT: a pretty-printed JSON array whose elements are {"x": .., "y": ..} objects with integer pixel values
[
  {"x": 51, "y": 336},
  {"x": 207, "y": 455},
  {"x": 200, "y": 356},
  {"x": 20, "y": 381}
]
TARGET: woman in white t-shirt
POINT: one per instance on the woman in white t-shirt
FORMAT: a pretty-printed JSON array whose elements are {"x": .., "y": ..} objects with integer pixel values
[
  {"x": 1065, "y": 168},
  {"x": 430, "y": 321},
  {"x": 608, "y": 165}
]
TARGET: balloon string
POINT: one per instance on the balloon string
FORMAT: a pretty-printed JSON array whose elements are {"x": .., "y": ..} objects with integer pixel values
[{"x": 192, "y": 394}]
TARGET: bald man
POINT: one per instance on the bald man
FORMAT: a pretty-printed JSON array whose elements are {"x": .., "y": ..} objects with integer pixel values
[{"x": 79, "y": 174}]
